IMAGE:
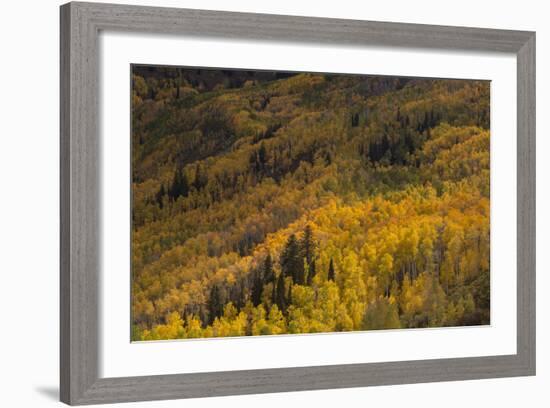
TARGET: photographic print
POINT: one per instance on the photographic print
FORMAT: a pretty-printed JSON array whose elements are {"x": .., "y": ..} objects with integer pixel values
[{"x": 268, "y": 202}]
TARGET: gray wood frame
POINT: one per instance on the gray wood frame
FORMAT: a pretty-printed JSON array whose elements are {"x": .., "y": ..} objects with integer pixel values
[{"x": 80, "y": 234}]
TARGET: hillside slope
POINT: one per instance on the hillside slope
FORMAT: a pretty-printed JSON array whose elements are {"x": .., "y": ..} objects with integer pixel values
[{"x": 291, "y": 203}]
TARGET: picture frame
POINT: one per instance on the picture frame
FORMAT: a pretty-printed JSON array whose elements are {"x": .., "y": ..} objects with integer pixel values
[{"x": 81, "y": 24}]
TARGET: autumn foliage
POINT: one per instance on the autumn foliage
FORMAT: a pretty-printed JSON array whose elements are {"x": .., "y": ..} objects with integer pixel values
[{"x": 271, "y": 203}]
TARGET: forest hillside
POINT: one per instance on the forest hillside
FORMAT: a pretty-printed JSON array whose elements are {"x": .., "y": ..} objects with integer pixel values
[{"x": 270, "y": 203}]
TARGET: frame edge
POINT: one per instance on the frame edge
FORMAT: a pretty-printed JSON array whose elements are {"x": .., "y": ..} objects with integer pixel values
[
  {"x": 526, "y": 204},
  {"x": 64, "y": 115},
  {"x": 79, "y": 180}
]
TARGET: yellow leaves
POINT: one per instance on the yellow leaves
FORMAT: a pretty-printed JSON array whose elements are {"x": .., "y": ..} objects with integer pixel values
[
  {"x": 329, "y": 300},
  {"x": 410, "y": 241},
  {"x": 230, "y": 311},
  {"x": 343, "y": 321},
  {"x": 302, "y": 296},
  {"x": 390, "y": 241},
  {"x": 412, "y": 300},
  {"x": 173, "y": 329},
  {"x": 259, "y": 322},
  {"x": 139, "y": 86},
  {"x": 245, "y": 125},
  {"x": 356, "y": 313},
  {"x": 136, "y": 100},
  {"x": 196, "y": 291},
  {"x": 369, "y": 253},
  {"x": 174, "y": 300},
  {"x": 154, "y": 290},
  {"x": 457, "y": 153},
  {"x": 382, "y": 313},
  {"x": 421, "y": 211},
  {"x": 417, "y": 234},
  {"x": 328, "y": 311},
  {"x": 193, "y": 329},
  {"x": 385, "y": 266},
  {"x": 298, "y": 83},
  {"x": 273, "y": 324},
  {"x": 298, "y": 322},
  {"x": 230, "y": 278},
  {"x": 142, "y": 307},
  {"x": 353, "y": 282},
  {"x": 276, "y": 320},
  {"x": 231, "y": 324}
]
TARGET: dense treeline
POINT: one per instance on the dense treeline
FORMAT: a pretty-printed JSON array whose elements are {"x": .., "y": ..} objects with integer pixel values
[{"x": 267, "y": 204}]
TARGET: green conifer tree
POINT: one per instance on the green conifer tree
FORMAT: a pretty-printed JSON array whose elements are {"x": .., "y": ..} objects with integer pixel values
[
  {"x": 280, "y": 299},
  {"x": 180, "y": 185},
  {"x": 269, "y": 274},
  {"x": 311, "y": 273},
  {"x": 331, "y": 272},
  {"x": 307, "y": 247},
  {"x": 257, "y": 287},
  {"x": 215, "y": 307},
  {"x": 291, "y": 262},
  {"x": 160, "y": 195},
  {"x": 289, "y": 296}
]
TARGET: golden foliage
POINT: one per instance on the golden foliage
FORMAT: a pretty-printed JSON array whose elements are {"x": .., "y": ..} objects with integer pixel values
[{"x": 391, "y": 178}]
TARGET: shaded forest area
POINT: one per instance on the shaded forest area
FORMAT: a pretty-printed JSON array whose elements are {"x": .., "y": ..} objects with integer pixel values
[{"x": 269, "y": 203}]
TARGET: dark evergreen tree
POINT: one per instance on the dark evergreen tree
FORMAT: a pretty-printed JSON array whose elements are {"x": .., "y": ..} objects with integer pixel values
[
  {"x": 274, "y": 293},
  {"x": 280, "y": 299},
  {"x": 311, "y": 273},
  {"x": 378, "y": 149},
  {"x": 291, "y": 261},
  {"x": 215, "y": 306},
  {"x": 331, "y": 272},
  {"x": 433, "y": 119},
  {"x": 257, "y": 287},
  {"x": 254, "y": 162},
  {"x": 426, "y": 122},
  {"x": 160, "y": 195},
  {"x": 236, "y": 294},
  {"x": 269, "y": 274},
  {"x": 308, "y": 245},
  {"x": 289, "y": 296},
  {"x": 262, "y": 155},
  {"x": 180, "y": 185},
  {"x": 242, "y": 292},
  {"x": 184, "y": 185}
]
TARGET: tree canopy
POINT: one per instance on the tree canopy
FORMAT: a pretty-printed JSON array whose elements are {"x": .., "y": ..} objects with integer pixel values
[{"x": 270, "y": 203}]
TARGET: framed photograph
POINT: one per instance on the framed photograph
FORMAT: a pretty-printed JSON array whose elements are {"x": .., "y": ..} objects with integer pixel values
[{"x": 261, "y": 203}]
